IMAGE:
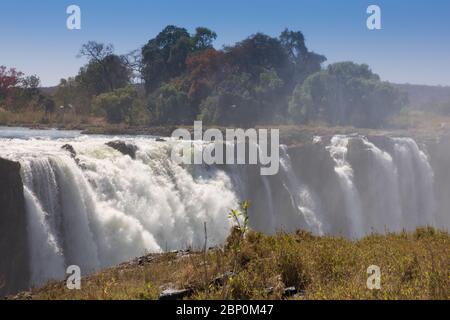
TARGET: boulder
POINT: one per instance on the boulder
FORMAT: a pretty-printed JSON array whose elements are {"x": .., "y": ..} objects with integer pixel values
[
  {"x": 71, "y": 150},
  {"x": 124, "y": 148}
]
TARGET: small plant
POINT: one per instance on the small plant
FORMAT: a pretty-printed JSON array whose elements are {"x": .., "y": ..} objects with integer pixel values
[
  {"x": 237, "y": 235},
  {"x": 241, "y": 218}
]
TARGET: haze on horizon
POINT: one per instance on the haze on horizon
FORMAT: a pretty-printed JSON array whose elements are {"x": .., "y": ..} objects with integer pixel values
[{"x": 412, "y": 46}]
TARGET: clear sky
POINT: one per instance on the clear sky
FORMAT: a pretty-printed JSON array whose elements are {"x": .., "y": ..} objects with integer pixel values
[{"x": 413, "y": 45}]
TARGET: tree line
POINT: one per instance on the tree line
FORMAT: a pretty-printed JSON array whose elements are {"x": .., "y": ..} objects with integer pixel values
[{"x": 178, "y": 77}]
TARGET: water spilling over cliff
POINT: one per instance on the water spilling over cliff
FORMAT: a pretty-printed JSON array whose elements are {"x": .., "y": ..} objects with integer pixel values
[{"x": 90, "y": 205}]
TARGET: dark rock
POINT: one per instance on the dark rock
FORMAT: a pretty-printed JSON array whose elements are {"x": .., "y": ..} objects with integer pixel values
[
  {"x": 174, "y": 294},
  {"x": 289, "y": 292},
  {"x": 14, "y": 263},
  {"x": 124, "y": 148},
  {"x": 71, "y": 150},
  {"x": 73, "y": 153},
  {"x": 160, "y": 140}
]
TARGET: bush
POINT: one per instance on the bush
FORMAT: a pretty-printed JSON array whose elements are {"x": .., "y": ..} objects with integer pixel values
[
  {"x": 170, "y": 105},
  {"x": 293, "y": 270},
  {"x": 116, "y": 105},
  {"x": 345, "y": 94}
]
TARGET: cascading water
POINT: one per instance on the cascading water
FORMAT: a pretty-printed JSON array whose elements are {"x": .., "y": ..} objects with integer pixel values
[
  {"x": 301, "y": 196},
  {"x": 110, "y": 208},
  {"x": 338, "y": 151},
  {"x": 105, "y": 207},
  {"x": 416, "y": 183},
  {"x": 46, "y": 257},
  {"x": 384, "y": 211}
]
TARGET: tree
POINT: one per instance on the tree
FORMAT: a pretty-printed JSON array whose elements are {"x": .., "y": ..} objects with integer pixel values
[
  {"x": 30, "y": 85},
  {"x": 205, "y": 69},
  {"x": 116, "y": 105},
  {"x": 203, "y": 39},
  {"x": 9, "y": 79},
  {"x": 170, "y": 105},
  {"x": 95, "y": 51},
  {"x": 305, "y": 62},
  {"x": 257, "y": 53},
  {"x": 164, "y": 57},
  {"x": 105, "y": 71},
  {"x": 238, "y": 100},
  {"x": 345, "y": 94},
  {"x": 232, "y": 102},
  {"x": 133, "y": 60},
  {"x": 20, "y": 92}
]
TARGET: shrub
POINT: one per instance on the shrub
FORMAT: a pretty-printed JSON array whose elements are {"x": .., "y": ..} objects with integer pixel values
[{"x": 116, "y": 105}]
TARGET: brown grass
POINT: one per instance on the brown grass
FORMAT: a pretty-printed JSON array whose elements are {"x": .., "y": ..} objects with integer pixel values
[{"x": 413, "y": 266}]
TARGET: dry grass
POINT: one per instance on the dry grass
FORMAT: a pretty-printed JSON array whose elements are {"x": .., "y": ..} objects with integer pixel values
[
  {"x": 54, "y": 120},
  {"x": 413, "y": 266}
]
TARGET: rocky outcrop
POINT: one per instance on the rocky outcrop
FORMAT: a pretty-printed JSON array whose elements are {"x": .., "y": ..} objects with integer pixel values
[
  {"x": 14, "y": 263},
  {"x": 73, "y": 154},
  {"x": 70, "y": 149},
  {"x": 124, "y": 148}
]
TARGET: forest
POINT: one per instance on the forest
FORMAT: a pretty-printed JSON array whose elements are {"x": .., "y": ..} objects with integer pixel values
[{"x": 178, "y": 77}]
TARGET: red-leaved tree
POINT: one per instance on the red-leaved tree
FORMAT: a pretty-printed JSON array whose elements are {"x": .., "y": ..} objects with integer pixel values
[{"x": 9, "y": 79}]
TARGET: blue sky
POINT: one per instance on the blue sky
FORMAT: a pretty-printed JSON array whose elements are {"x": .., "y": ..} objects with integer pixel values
[{"x": 413, "y": 45}]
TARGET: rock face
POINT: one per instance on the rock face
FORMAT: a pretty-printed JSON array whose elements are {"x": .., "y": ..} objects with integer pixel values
[
  {"x": 14, "y": 262},
  {"x": 124, "y": 148}
]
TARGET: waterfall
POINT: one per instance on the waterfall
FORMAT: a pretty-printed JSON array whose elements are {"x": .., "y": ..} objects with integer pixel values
[
  {"x": 111, "y": 208},
  {"x": 338, "y": 149},
  {"x": 416, "y": 183},
  {"x": 47, "y": 261},
  {"x": 105, "y": 207},
  {"x": 301, "y": 196},
  {"x": 384, "y": 211}
]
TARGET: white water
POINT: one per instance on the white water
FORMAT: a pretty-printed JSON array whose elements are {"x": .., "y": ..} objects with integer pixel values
[
  {"x": 303, "y": 199},
  {"x": 400, "y": 187},
  {"x": 384, "y": 209},
  {"x": 111, "y": 208},
  {"x": 338, "y": 151},
  {"x": 416, "y": 183}
]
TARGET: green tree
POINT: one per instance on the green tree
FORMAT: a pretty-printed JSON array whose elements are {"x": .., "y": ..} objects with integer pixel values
[
  {"x": 203, "y": 39},
  {"x": 304, "y": 61},
  {"x": 169, "y": 105},
  {"x": 105, "y": 71},
  {"x": 258, "y": 53},
  {"x": 164, "y": 56},
  {"x": 116, "y": 105},
  {"x": 345, "y": 94}
]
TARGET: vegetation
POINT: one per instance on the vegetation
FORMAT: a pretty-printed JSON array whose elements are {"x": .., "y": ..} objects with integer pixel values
[
  {"x": 19, "y": 93},
  {"x": 118, "y": 106},
  {"x": 345, "y": 94},
  {"x": 413, "y": 266},
  {"x": 178, "y": 77}
]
